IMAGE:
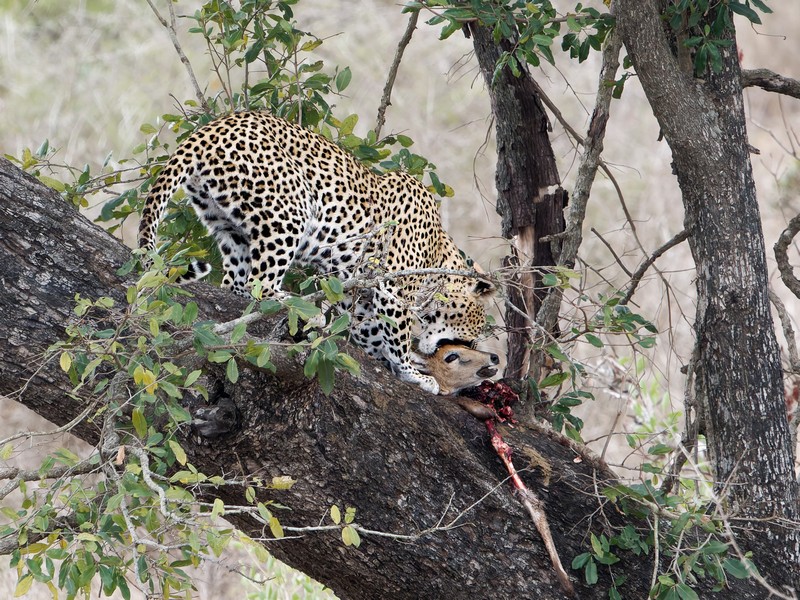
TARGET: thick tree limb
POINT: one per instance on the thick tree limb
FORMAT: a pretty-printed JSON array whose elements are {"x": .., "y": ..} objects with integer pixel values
[
  {"x": 405, "y": 460},
  {"x": 771, "y": 82}
]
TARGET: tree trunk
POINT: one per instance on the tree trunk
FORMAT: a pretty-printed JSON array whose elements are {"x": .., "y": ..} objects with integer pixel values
[
  {"x": 738, "y": 381},
  {"x": 526, "y": 167},
  {"x": 405, "y": 460}
]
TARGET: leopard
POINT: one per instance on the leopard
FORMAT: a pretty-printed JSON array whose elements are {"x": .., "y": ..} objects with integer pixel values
[{"x": 273, "y": 195}]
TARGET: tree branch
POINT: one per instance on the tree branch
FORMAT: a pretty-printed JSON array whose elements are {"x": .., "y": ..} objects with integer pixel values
[
  {"x": 771, "y": 82},
  {"x": 403, "y": 459},
  {"x": 636, "y": 278},
  {"x": 781, "y": 249},
  {"x": 398, "y": 56},
  {"x": 587, "y": 170},
  {"x": 172, "y": 30}
]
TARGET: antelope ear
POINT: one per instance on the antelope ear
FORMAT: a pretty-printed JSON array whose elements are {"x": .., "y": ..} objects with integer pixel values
[{"x": 483, "y": 288}]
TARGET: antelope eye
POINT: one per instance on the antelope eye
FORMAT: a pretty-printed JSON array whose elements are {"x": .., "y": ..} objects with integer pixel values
[{"x": 450, "y": 357}]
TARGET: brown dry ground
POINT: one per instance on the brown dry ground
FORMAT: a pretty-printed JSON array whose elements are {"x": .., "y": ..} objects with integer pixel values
[{"x": 86, "y": 74}]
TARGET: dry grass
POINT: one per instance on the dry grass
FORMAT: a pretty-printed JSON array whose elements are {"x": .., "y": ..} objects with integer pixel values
[{"x": 86, "y": 74}]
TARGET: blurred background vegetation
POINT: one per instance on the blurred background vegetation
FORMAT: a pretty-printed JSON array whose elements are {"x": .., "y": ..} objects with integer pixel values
[{"x": 86, "y": 74}]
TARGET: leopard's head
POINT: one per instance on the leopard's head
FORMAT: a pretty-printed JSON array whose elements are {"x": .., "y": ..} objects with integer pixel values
[{"x": 454, "y": 311}]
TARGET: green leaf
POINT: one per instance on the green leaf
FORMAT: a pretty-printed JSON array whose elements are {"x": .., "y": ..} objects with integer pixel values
[
  {"x": 596, "y": 545},
  {"x": 659, "y": 449},
  {"x": 275, "y": 528},
  {"x": 715, "y": 547},
  {"x": 736, "y": 567},
  {"x": 238, "y": 332},
  {"x": 590, "y": 572},
  {"x": 340, "y": 324},
  {"x": 594, "y": 340},
  {"x": 65, "y": 361},
  {"x": 325, "y": 375},
  {"x": 685, "y": 592},
  {"x": 349, "y": 514},
  {"x": 745, "y": 11},
  {"x": 218, "y": 508},
  {"x": 348, "y": 363},
  {"x": 190, "y": 313},
  {"x": 554, "y": 380},
  {"x": 23, "y": 585},
  {"x": 178, "y": 451},
  {"x": 572, "y": 24},
  {"x": 348, "y": 124},
  {"x": 139, "y": 422},
  {"x": 550, "y": 280},
  {"x": 178, "y": 413},
  {"x": 647, "y": 342},
  {"x": 262, "y": 359},
  {"x": 350, "y": 537},
  {"x": 343, "y": 79},
  {"x": 232, "y": 371},
  {"x": 192, "y": 377},
  {"x": 579, "y": 561},
  {"x": 336, "y": 515}
]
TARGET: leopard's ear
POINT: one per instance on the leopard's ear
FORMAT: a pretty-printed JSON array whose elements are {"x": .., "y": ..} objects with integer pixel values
[{"x": 483, "y": 288}]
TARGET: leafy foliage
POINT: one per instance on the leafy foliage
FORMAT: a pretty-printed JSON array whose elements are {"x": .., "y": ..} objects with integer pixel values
[
  {"x": 704, "y": 27},
  {"x": 530, "y": 27}
]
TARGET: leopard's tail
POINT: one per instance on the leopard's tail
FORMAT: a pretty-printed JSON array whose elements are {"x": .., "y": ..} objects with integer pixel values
[{"x": 155, "y": 205}]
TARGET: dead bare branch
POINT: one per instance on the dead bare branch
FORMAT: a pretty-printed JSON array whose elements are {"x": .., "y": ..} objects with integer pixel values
[
  {"x": 781, "y": 248},
  {"x": 593, "y": 147},
  {"x": 172, "y": 30},
  {"x": 398, "y": 56},
  {"x": 636, "y": 278},
  {"x": 788, "y": 331},
  {"x": 771, "y": 82}
]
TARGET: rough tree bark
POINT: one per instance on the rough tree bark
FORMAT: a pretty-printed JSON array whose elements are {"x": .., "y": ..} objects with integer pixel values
[
  {"x": 738, "y": 382},
  {"x": 526, "y": 167},
  {"x": 402, "y": 458},
  {"x": 405, "y": 460}
]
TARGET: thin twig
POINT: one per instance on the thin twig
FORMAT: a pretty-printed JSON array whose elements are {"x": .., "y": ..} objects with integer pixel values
[
  {"x": 398, "y": 56},
  {"x": 171, "y": 28},
  {"x": 593, "y": 147},
  {"x": 636, "y": 278},
  {"x": 356, "y": 282},
  {"x": 17, "y": 476},
  {"x": 613, "y": 252}
]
